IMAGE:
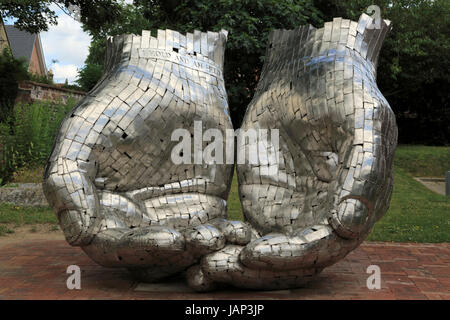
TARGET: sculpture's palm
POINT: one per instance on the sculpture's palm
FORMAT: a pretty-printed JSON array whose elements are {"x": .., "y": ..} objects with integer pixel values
[
  {"x": 333, "y": 178},
  {"x": 111, "y": 179}
]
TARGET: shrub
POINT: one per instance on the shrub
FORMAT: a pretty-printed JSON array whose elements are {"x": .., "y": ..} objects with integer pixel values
[
  {"x": 40, "y": 79},
  {"x": 11, "y": 72},
  {"x": 27, "y": 139}
]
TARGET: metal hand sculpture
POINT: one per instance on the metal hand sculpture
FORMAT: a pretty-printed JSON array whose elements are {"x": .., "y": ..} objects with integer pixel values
[
  {"x": 110, "y": 177},
  {"x": 333, "y": 178}
]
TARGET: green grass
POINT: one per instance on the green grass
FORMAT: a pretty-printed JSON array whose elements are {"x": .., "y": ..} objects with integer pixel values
[
  {"x": 4, "y": 230},
  {"x": 28, "y": 175},
  {"x": 416, "y": 214},
  {"x": 26, "y": 215},
  {"x": 233, "y": 203},
  {"x": 423, "y": 161},
  {"x": 10, "y": 185}
]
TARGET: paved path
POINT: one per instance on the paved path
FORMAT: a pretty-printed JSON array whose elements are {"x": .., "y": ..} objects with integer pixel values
[
  {"x": 37, "y": 270},
  {"x": 436, "y": 185}
]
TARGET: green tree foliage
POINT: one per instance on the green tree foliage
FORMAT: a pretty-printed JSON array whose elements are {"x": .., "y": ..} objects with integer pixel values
[
  {"x": 40, "y": 79},
  {"x": 128, "y": 20},
  {"x": 11, "y": 72},
  {"x": 89, "y": 75},
  {"x": 413, "y": 68},
  {"x": 36, "y": 15}
]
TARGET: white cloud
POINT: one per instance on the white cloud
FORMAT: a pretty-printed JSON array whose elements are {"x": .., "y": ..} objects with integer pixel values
[
  {"x": 62, "y": 72},
  {"x": 67, "y": 43}
]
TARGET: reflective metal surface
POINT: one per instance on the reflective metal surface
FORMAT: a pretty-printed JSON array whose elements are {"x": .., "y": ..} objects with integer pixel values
[
  {"x": 334, "y": 176},
  {"x": 110, "y": 178},
  {"x": 120, "y": 197}
]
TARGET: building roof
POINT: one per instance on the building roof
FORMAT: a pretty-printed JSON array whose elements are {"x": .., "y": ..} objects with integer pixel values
[
  {"x": 22, "y": 42},
  {"x": 2, "y": 27}
]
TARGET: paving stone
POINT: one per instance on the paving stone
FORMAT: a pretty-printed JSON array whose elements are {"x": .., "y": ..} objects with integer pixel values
[{"x": 37, "y": 270}]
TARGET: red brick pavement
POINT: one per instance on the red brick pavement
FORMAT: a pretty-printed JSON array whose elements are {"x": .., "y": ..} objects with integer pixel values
[{"x": 37, "y": 270}]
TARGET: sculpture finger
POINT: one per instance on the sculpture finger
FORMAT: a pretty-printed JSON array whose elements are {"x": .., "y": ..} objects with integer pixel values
[
  {"x": 74, "y": 200},
  {"x": 351, "y": 219},
  {"x": 143, "y": 247},
  {"x": 203, "y": 239},
  {"x": 235, "y": 232},
  {"x": 120, "y": 211},
  {"x": 198, "y": 280},
  {"x": 74, "y": 226},
  {"x": 365, "y": 182},
  {"x": 224, "y": 266},
  {"x": 316, "y": 246}
]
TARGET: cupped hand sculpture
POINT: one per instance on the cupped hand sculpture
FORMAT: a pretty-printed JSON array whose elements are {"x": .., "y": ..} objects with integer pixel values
[
  {"x": 110, "y": 178},
  {"x": 332, "y": 179}
]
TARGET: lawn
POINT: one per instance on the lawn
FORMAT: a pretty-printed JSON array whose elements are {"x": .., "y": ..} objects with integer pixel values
[
  {"x": 416, "y": 214},
  {"x": 12, "y": 216},
  {"x": 26, "y": 215},
  {"x": 423, "y": 161}
]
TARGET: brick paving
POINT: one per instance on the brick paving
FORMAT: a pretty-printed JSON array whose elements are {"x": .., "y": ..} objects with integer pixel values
[{"x": 37, "y": 270}]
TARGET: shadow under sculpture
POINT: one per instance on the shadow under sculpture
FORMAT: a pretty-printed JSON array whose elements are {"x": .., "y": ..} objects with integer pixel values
[
  {"x": 333, "y": 179},
  {"x": 110, "y": 177}
]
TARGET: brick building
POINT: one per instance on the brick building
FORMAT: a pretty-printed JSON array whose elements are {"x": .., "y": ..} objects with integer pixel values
[
  {"x": 4, "y": 41},
  {"x": 29, "y": 46}
]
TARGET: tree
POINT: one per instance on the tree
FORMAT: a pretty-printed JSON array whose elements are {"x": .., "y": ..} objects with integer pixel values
[
  {"x": 36, "y": 15},
  {"x": 11, "y": 72},
  {"x": 89, "y": 75},
  {"x": 414, "y": 63}
]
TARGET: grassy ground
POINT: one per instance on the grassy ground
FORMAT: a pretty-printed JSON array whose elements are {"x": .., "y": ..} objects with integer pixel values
[
  {"x": 26, "y": 175},
  {"x": 5, "y": 230},
  {"x": 12, "y": 216},
  {"x": 423, "y": 161},
  {"x": 234, "y": 204},
  {"x": 416, "y": 214}
]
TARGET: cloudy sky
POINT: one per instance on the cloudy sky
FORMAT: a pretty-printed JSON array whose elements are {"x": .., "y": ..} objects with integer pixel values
[{"x": 67, "y": 43}]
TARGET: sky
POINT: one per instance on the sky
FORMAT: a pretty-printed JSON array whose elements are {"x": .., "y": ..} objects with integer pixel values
[{"x": 67, "y": 43}]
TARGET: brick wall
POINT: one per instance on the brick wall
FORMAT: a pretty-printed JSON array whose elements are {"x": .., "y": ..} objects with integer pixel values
[
  {"x": 30, "y": 91},
  {"x": 37, "y": 65}
]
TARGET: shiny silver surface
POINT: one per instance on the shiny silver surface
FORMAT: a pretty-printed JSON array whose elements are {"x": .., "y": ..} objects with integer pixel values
[
  {"x": 120, "y": 197},
  {"x": 110, "y": 178},
  {"x": 337, "y": 141}
]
